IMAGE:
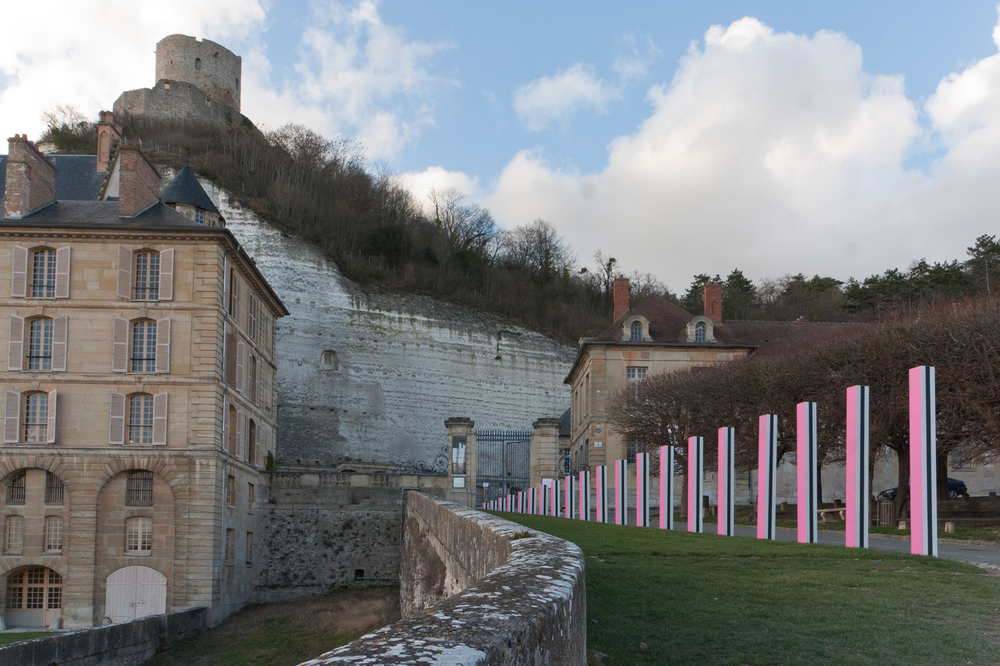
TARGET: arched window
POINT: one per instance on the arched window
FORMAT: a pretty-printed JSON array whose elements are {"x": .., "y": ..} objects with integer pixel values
[
  {"x": 636, "y": 332},
  {"x": 36, "y": 417},
  {"x": 143, "y": 357},
  {"x": 147, "y": 276},
  {"x": 252, "y": 442},
  {"x": 43, "y": 273},
  {"x": 329, "y": 361},
  {"x": 55, "y": 490},
  {"x": 197, "y": 63},
  {"x": 35, "y": 589},
  {"x": 39, "y": 356},
  {"x": 140, "y": 419},
  {"x": 699, "y": 332}
]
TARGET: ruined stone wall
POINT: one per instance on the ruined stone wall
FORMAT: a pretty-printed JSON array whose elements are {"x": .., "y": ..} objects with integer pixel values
[
  {"x": 523, "y": 602},
  {"x": 173, "y": 101},
  {"x": 397, "y": 367},
  {"x": 209, "y": 66},
  {"x": 323, "y": 531}
]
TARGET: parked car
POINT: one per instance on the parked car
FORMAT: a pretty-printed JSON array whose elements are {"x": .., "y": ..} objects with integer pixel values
[{"x": 956, "y": 488}]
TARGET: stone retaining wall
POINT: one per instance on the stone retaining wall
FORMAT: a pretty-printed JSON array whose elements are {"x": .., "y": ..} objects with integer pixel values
[
  {"x": 477, "y": 589},
  {"x": 122, "y": 644}
]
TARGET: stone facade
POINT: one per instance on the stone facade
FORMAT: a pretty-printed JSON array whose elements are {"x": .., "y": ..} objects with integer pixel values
[{"x": 144, "y": 444}]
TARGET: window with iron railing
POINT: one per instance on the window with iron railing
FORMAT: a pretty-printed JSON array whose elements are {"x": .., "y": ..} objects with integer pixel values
[
  {"x": 54, "y": 489},
  {"x": 139, "y": 489},
  {"x": 17, "y": 488}
]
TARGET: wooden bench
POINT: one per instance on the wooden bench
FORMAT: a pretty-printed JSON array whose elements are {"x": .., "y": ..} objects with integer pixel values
[{"x": 824, "y": 513}]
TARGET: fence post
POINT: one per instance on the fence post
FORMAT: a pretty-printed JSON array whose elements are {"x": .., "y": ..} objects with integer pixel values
[
  {"x": 666, "y": 487},
  {"x": 858, "y": 492},
  {"x": 806, "y": 470},
  {"x": 696, "y": 476},
  {"x": 727, "y": 503},
  {"x": 462, "y": 470},
  {"x": 923, "y": 462},
  {"x": 767, "y": 453}
]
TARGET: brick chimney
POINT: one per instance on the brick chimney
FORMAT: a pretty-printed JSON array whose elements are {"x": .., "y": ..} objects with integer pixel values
[
  {"x": 713, "y": 302},
  {"x": 31, "y": 179},
  {"x": 139, "y": 186},
  {"x": 109, "y": 135},
  {"x": 621, "y": 292}
]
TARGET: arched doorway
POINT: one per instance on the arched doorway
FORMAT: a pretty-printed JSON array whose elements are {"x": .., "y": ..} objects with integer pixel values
[
  {"x": 34, "y": 597},
  {"x": 134, "y": 592}
]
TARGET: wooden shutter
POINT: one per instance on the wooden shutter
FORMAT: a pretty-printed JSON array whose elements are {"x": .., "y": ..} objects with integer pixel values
[
  {"x": 163, "y": 345},
  {"x": 240, "y": 433},
  {"x": 230, "y": 355},
  {"x": 260, "y": 365},
  {"x": 19, "y": 279},
  {"x": 160, "y": 419},
  {"x": 62, "y": 272},
  {"x": 241, "y": 352},
  {"x": 256, "y": 448},
  {"x": 11, "y": 417},
  {"x": 15, "y": 350},
  {"x": 50, "y": 430},
  {"x": 225, "y": 423},
  {"x": 124, "y": 272},
  {"x": 119, "y": 351},
  {"x": 60, "y": 331},
  {"x": 117, "y": 428},
  {"x": 166, "y": 275}
]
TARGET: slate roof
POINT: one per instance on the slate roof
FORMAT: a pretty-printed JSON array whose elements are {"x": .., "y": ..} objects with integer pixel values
[
  {"x": 185, "y": 189},
  {"x": 101, "y": 214},
  {"x": 77, "y": 178}
]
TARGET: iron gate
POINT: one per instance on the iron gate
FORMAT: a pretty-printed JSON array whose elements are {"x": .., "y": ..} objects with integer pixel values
[{"x": 503, "y": 463}]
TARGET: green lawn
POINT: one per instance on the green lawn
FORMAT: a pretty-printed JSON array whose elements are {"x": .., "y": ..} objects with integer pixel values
[
  {"x": 706, "y": 599},
  {"x": 18, "y": 636}
]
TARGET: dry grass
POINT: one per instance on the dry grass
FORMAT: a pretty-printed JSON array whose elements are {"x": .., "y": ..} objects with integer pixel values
[{"x": 283, "y": 634}]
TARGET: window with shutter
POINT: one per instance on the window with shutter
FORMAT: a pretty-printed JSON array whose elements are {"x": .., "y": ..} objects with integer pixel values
[
  {"x": 43, "y": 273},
  {"x": 39, "y": 356},
  {"x": 147, "y": 276},
  {"x": 140, "y": 419},
  {"x": 124, "y": 273},
  {"x": 62, "y": 273},
  {"x": 60, "y": 331},
  {"x": 19, "y": 277},
  {"x": 241, "y": 353},
  {"x": 117, "y": 427},
  {"x": 252, "y": 434},
  {"x": 166, "y": 275},
  {"x": 12, "y": 417},
  {"x": 240, "y": 433},
  {"x": 160, "y": 419},
  {"x": 119, "y": 352},
  {"x": 163, "y": 346},
  {"x": 36, "y": 417},
  {"x": 15, "y": 348},
  {"x": 51, "y": 425}
]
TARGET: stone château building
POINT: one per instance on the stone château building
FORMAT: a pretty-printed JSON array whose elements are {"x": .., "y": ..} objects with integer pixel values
[{"x": 139, "y": 398}]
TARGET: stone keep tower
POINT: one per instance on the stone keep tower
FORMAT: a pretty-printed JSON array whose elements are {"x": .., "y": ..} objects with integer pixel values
[{"x": 210, "y": 67}]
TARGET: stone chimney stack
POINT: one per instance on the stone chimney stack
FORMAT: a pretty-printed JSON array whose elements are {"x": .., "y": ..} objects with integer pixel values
[
  {"x": 109, "y": 135},
  {"x": 621, "y": 292},
  {"x": 31, "y": 179},
  {"x": 713, "y": 302},
  {"x": 139, "y": 186}
]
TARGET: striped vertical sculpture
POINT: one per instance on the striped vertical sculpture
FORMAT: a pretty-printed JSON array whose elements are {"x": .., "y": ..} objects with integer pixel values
[
  {"x": 554, "y": 498},
  {"x": 806, "y": 471},
  {"x": 696, "y": 476},
  {"x": 642, "y": 490},
  {"x": 519, "y": 508},
  {"x": 666, "y": 487},
  {"x": 601, "y": 493},
  {"x": 727, "y": 494},
  {"x": 621, "y": 492},
  {"x": 857, "y": 484},
  {"x": 529, "y": 496},
  {"x": 584, "y": 503},
  {"x": 543, "y": 499},
  {"x": 923, "y": 462},
  {"x": 767, "y": 457},
  {"x": 569, "y": 503}
]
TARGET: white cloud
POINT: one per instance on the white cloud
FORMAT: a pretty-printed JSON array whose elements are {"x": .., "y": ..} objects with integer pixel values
[
  {"x": 438, "y": 179},
  {"x": 355, "y": 76},
  {"x": 94, "y": 50},
  {"x": 773, "y": 152},
  {"x": 552, "y": 99},
  {"x": 631, "y": 63}
]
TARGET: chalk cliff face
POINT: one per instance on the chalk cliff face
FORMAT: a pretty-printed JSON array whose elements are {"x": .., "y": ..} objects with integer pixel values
[{"x": 400, "y": 364}]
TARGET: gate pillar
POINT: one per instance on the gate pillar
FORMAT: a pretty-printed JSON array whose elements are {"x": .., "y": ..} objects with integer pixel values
[
  {"x": 545, "y": 453},
  {"x": 462, "y": 454}
]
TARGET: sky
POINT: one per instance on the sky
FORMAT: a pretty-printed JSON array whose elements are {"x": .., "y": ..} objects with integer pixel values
[{"x": 835, "y": 138}]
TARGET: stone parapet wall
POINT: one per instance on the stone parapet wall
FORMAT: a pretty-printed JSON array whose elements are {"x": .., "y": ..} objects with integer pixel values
[
  {"x": 319, "y": 529},
  {"x": 477, "y": 589},
  {"x": 118, "y": 644}
]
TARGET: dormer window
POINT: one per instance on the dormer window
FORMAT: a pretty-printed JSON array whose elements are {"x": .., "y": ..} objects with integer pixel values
[
  {"x": 636, "y": 330},
  {"x": 701, "y": 329},
  {"x": 699, "y": 332}
]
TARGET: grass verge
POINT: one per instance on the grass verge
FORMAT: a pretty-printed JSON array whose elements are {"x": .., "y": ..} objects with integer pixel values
[
  {"x": 18, "y": 636},
  {"x": 284, "y": 634},
  {"x": 706, "y": 599}
]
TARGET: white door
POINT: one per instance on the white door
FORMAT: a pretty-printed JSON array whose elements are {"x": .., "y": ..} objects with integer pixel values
[{"x": 134, "y": 592}]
